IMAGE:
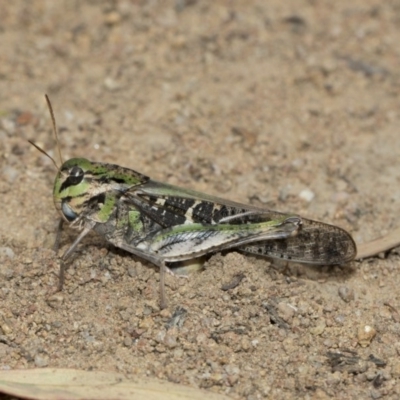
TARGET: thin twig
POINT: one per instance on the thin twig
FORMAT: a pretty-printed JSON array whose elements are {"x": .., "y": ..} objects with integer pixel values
[{"x": 374, "y": 247}]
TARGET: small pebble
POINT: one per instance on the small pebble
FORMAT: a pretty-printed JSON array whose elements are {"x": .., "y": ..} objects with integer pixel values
[
  {"x": 8, "y": 125},
  {"x": 55, "y": 301},
  {"x": 165, "y": 313},
  {"x": 7, "y": 252},
  {"x": 297, "y": 163},
  {"x": 201, "y": 338},
  {"x": 146, "y": 323},
  {"x": 346, "y": 293},
  {"x": 6, "y": 273},
  {"x": 365, "y": 335},
  {"x": 232, "y": 369},
  {"x": 4, "y": 350},
  {"x": 395, "y": 371},
  {"x": 340, "y": 319},
  {"x": 112, "y": 18},
  {"x": 286, "y": 311},
  {"x": 170, "y": 340},
  {"x": 319, "y": 329},
  {"x": 320, "y": 394},
  {"x": 370, "y": 374},
  {"x": 41, "y": 361},
  {"x": 233, "y": 379},
  {"x": 245, "y": 344},
  {"x": 111, "y": 84},
  {"x": 307, "y": 195},
  {"x": 123, "y": 303},
  {"x": 375, "y": 394},
  {"x": 10, "y": 174},
  {"x": 6, "y": 328},
  {"x": 160, "y": 336}
]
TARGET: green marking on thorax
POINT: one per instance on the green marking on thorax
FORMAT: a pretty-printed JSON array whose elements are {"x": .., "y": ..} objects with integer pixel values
[
  {"x": 107, "y": 208},
  {"x": 124, "y": 177},
  {"x": 134, "y": 221}
]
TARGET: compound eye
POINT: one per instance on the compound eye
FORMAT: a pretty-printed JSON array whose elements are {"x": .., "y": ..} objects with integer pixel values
[
  {"x": 76, "y": 175},
  {"x": 68, "y": 212}
]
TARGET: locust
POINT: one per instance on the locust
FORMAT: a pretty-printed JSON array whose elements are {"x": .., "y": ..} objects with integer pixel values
[{"x": 165, "y": 224}]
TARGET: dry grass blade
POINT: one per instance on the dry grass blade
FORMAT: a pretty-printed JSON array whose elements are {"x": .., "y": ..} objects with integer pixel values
[
  {"x": 66, "y": 384},
  {"x": 380, "y": 245}
]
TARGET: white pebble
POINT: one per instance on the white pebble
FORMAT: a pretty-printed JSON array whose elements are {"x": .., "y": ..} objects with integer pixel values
[
  {"x": 6, "y": 252},
  {"x": 306, "y": 195},
  {"x": 10, "y": 174}
]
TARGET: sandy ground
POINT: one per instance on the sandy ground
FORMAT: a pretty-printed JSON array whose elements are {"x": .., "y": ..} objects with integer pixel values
[{"x": 292, "y": 106}]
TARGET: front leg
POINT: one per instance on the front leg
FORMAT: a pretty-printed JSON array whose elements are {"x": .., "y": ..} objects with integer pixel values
[
  {"x": 56, "y": 245},
  {"x": 88, "y": 227}
]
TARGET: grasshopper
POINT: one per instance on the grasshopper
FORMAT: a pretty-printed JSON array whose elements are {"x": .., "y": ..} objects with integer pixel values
[{"x": 164, "y": 224}]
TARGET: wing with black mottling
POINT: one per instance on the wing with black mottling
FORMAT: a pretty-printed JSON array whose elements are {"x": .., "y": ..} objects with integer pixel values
[{"x": 315, "y": 242}]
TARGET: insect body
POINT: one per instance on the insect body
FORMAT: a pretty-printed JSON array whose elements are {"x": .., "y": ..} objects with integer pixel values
[{"x": 162, "y": 223}]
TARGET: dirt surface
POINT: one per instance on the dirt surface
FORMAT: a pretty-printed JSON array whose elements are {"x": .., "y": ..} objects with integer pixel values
[{"x": 289, "y": 105}]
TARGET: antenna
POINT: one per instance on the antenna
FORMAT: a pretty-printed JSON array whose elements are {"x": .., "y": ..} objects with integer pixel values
[
  {"x": 54, "y": 128},
  {"x": 42, "y": 151},
  {"x": 55, "y": 134}
]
